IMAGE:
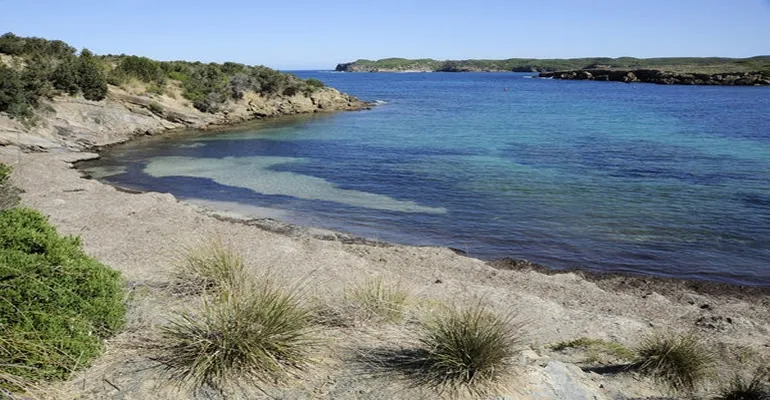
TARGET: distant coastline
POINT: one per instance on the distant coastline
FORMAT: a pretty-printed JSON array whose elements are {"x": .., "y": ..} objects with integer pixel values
[
  {"x": 687, "y": 70},
  {"x": 663, "y": 77}
]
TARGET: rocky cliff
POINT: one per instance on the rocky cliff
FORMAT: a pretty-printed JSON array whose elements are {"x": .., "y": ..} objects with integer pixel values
[
  {"x": 662, "y": 77},
  {"x": 72, "y": 122}
]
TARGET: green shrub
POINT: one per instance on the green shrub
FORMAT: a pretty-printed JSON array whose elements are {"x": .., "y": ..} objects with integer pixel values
[
  {"x": 65, "y": 78},
  {"x": 178, "y": 76},
  {"x": 469, "y": 349},
  {"x": 380, "y": 301},
  {"x": 91, "y": 77},
  {"x": 5, "y": 173},
  {"x": 12, "y": 97},
  {"x": 142, "y": 68},
  {"x": 315, "y": 83},
  {"x": 77, "y": 300},
  {"x": 156, "y": 108},
  {"x": 680, "y": 361},
  {"x": 250, "y": 333}
]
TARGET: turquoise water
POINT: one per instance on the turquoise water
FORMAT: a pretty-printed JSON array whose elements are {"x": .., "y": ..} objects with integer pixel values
[{"x": 660, "y": 180}]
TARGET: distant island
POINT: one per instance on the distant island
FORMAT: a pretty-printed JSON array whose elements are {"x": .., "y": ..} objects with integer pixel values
[{"x": 679, "y": 70}]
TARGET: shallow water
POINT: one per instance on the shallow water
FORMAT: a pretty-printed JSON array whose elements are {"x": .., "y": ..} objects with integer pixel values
[{"x": 662, "y": 180}]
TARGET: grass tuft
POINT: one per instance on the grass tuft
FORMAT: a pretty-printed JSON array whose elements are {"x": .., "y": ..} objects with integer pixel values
[
  {"x": 467, "y": 350},
  {"x": 210, "y": 267},
  {"x": 377, "y": 300},
  {"x": 9, "y": 194},
  {"x": 756, "y": 388},
  {"x": 259, "y": 333},
  {"x": 680, "y": 361}
]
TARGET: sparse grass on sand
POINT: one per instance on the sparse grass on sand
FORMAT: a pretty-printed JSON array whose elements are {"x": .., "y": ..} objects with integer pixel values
[
  {"x": 208, "y": 267},
  {"x": 681, "y": 361},
  {"x": 379, "y": 300},
  {"x": 756, "y": 388},
  {"x": 257, "y": 334},
  {"x": 246, "y": 332},
  {"x": 598, "y": 351},
  {"x": 469, "y": 350}
]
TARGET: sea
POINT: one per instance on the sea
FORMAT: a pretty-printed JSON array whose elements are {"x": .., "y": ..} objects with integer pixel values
[{"x": 645, "y": 179}]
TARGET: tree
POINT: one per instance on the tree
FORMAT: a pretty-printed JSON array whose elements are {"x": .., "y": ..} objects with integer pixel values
[
  {"x": 12, "y": 98},
  {"x": 65, "y": 77},
  {"x": 91, "y": 78}
]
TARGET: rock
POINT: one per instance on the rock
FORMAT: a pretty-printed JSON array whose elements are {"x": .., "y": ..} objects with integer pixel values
[
  {"x": 661, "y": 77},
  {"x": 562, "y": 381}
]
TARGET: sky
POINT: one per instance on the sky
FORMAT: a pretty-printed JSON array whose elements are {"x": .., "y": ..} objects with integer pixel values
[{"x": 308, "y": 34}]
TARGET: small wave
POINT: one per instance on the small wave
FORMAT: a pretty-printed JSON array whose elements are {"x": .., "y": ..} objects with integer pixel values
[{"x": 380, "y": 102}]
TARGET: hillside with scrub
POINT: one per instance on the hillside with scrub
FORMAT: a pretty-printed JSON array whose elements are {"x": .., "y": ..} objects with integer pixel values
[{"x": 53, "y": 93}]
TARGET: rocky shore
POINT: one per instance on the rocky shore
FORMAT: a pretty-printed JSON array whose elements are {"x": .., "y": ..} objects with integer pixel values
[
  {"x": 662, "y": 77},
  {"x": 69, "y": 122}
]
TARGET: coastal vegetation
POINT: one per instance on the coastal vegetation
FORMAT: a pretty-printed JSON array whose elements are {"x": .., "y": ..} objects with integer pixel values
[
  {"x": 469, "y": 348},
  {"x": 378, "y": 300},
  {"x": 757, "y": 387},
  {"x": 681, "y": 361},
  {"x": 9, "y": 195},
  {"x": 675, "y": 64},
  {"x": 247, "y": 331},
  {"x": 57, "y": 304},
  {"x": 35, "y": 69}
]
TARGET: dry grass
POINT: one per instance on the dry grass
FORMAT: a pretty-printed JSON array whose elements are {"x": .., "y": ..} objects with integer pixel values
[
  {"x": 755, "y": 388},
  {"x": 597, "y": 351},
  {"x": 680, "y": 361},
  {"x": 378, "y": 300},
  {"x": 470, "y": 350},
  {"x": 208, "y": 267},
  {"x": 248, "y": 334}
]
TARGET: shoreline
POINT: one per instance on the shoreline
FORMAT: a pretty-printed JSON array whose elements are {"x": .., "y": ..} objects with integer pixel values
[
  {"x": 141, "y": 235},
  {"x": 631, "y": 280},
  {"x": 561, "y": 305},
  {"x": 277, "y": 225}
]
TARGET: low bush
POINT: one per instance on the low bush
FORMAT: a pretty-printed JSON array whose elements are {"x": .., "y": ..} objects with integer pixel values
[
  {"x": 681, "y": 361},
  {"x": 156, "y": 108},
  {"x": 77, "y": 301},
  {"x": 248, "y": 334},
  {"x": 142, "y": 68}
]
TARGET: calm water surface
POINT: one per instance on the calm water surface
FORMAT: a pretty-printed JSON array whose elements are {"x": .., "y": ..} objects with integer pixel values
[{"x": 662, "y": 180}]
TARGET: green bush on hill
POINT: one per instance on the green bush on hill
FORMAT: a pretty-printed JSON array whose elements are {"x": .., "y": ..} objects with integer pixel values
[
  {"x": 57, "y": 303},
  {"x": 142, "y": 68},
  {"x": 90, "y": 77},
  {"x": 43, "y": 68}
]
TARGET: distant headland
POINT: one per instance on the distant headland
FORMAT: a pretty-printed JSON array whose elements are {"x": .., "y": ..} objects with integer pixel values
[{"x": 678, "y": 70}]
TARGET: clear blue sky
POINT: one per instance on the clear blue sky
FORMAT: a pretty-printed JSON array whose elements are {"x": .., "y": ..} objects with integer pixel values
[{"x": 309, "y": 34}]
